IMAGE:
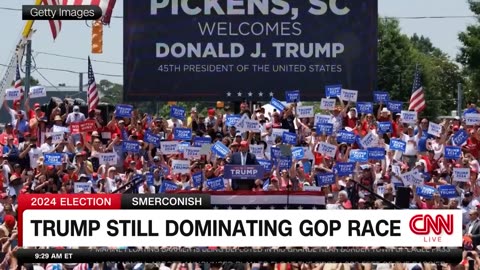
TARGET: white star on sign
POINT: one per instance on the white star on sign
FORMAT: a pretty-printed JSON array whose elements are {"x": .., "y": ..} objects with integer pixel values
[
  {"x": 258, "y": 207},
  {"x": 229, "y": 207},
  {"x": 271, "y": 94},
  {"x": 244, "y": 208},
  {"x": 272, "y": 207},
  {"x": 239, "y": 94},
  {"x": 229, "y": 94},
  {"x": 314, "y": 208},
  {"x": 250, "y": 94},
  {"x": 300, "y": 207},
  {"x": 215, "y": 208},
  {"x": 260, "y": 94}
]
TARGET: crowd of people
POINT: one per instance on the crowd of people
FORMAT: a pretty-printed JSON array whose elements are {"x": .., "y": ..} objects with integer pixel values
[{"x": 100, "y": 155}]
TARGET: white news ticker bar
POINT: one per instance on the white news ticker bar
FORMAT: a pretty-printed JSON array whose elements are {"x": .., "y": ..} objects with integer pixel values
[{"x": 441, "y": 234}]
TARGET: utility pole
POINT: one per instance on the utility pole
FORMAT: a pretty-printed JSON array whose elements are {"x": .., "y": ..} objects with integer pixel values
[
  {"x": 28, "y": 65},
  {"x": 80, "y": 82},
  {"x": 459, "y": 99}
]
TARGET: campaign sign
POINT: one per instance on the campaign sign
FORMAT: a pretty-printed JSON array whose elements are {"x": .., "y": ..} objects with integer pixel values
[
  {"x": 251, "y": 125},
  {"x": 292, "y": 96},
  {"x": 358, "y": 156},
  {"x": 216, "y": 183},
  {"x": 167, "y": 186},
  {"x": 398, "y": 145},
  {"x": 327, "y": 149},
  {"x": 327, "y": 104},
  {"x": 297, "y": 153},
  {"x": 447, "y": 191},
  {"x": 426, "y": 191},
  {"x": 344, "y": 136},
  {"x": 305, "y": 111},
  {"x": 408, "y": 117},
  {"x": 460, "y": 137},
  {"x": 266, "y": 164},
  {"x": 232, "y": 119},
  {"x": 12, "y": 94},
  {"x": 88, "y": 126},
  {"x": 37, "y": 92},
  {"x": 54, "y": 159},
  {"x": 199, "y": 141},
  {"x": 285, "y": 163},
  {"x": 277, "y": 104},
  {"x": 349, "y": 95},
  {"x": 220, "y": 149},
  {"x": 376, "y": 153},
  {"x": 182, "y": 146},
  {"x": 324, "y": 129},
  {"x": 412, "y": 178},
  {"x": 177, "y": 112},
  {"x": 149, "y": 178},
  {"x": 369, "y": 140},
  {"x": 461, "y": 174},
  {"x": 243, "y": 172},
  {"x": 364, "y": 107},
  {"x": 257, "y": 150},
  {"x": 472, "y": 119},
  {"x": 152, "y": 138},
  {"x": 192, "y": 152},
  {"x": 275, "y": 153},
  {"x": 289, "y": 138},
  {"x": 333, "y": 90},
  {"x": 182, "y": 134},
  {"x": 267, "y": 45},
  {"x": 107, "y": 158},
  {"x": 452, "y": 152},
  {"x": 395, "y": 106},
  {"x": 79, "y": 187},
  {"x": 344, "y": 168},
  {"x": 434, "y": 129},
  {"x": 57, "y": 137},
  {"x": 325, "y": 179},
  {"x": 169, "y": 148},
  {"x": 384, "y": 127},
  {"x": 131, "y": 147},
  {"x": 197, "y": 179},
  {"x": 181, "y": 166},
  {"x": 122, "y": 110},
  {"x": 322, "y": 119},
  {"x": 381, "y": 97}
]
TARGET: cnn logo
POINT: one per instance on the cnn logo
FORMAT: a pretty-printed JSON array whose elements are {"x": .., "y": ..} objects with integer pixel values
[{"x": 427, "y": 224}]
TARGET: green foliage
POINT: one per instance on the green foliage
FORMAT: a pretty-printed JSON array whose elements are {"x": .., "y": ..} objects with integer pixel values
[
  {"x": 33, "y": 81},
  {"x": 110, "y": 92}
]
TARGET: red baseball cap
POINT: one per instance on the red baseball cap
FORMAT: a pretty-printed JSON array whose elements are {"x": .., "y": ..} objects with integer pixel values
[
  {"x": 244, "y": 143},
  {"x": 36, "y": 105},
  {"x": 9, "y": 221}
]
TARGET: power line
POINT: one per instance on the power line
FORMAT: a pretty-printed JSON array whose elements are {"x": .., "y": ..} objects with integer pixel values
[
  {"x": 70, "y": 71},
  {"x": 79, "y": 58},
  {"x": 43, "y": 77},
  {"x": 399, "y": 17}
]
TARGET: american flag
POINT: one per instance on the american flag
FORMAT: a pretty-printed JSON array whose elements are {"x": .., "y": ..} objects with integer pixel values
[
  {"x": 55, "y": 25},
  {"x": 18, "y": 81},
  {"x": 417, "y": 100},
  {"x": 92, "y": 88},
  {"x": 264, "y": 200}
]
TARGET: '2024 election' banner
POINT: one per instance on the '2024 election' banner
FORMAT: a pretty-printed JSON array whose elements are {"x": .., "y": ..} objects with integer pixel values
[{"x": 248, "y": 49}]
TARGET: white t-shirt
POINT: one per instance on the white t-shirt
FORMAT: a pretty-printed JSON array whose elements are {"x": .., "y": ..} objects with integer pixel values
[
  {"x": 412, "y": 148},
  {"x": 46, "y": 148},
  {"x": 34, "y": 154},
  {"x": 75, "y": 117}
]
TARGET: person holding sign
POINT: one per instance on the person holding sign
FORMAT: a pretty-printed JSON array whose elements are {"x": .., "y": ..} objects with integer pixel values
[{"x": 243, "y": 157}]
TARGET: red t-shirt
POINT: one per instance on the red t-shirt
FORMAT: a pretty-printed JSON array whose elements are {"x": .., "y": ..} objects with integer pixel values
[{"x": 474, "y": 146}]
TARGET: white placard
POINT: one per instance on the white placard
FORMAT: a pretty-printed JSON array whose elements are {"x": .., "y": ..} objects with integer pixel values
[
  {"x": 82, "y": 187},
  {"x": 472, "y": 119},
  {"x": 412, "y": 178},
  {"x": 37, "y": 92},
  {"x": 192, "y": 152},
  {"x": 251, "y": 125},
  {"x": 381, "y": 190},
  {"x": 305, "y": 111},
  {"x": 370, "y": 140},
  {"x": 278, "y": 132},
  {"x": 308, "y": 153},
  {"x": 61, "y": 129},
  {"x": 461, "y": 174},
  {"x": 300, "y": 228},
  {"x": 107, "y": 158},
  {"x": 240, "y": 125},
  {"x": 169, "y": 148},
  {"x": 327, "y": 149},
  {"x": 396, "y": 170},
  {"x": 257, "y": 150},
  {"x": 349, "y": 95},
  {"x": 181, "y": 166},
  {"x": 327, "y": 104},
  {"x": 322, "y": 118},
  {"x": 12, "y": 94},
  {"x": 434, "y": 129},
  {"x": 409, "y": 117},
  {"x": 57, "y": 137}
]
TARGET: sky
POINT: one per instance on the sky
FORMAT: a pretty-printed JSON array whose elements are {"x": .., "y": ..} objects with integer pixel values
[{"x": 75, "y": 37}]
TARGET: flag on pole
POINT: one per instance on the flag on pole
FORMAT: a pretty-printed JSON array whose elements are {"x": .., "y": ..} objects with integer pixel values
[
  {"x": 18, "y": 82},
  {"x": 417, "y": 99},
  {"x": 92, "y": 88},
  {"x": 55, "y": 25}
]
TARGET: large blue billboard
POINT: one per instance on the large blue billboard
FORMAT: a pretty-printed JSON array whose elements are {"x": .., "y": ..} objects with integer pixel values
[{"x": 248, "y": 49}]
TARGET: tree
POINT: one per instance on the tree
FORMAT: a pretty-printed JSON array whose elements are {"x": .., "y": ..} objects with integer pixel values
[
  {"x": 424, "y": 45},
  {"x": 469, "y": 55},
  {"x": 110, "y": 92},
  {"x": 33, "y": 81}
]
